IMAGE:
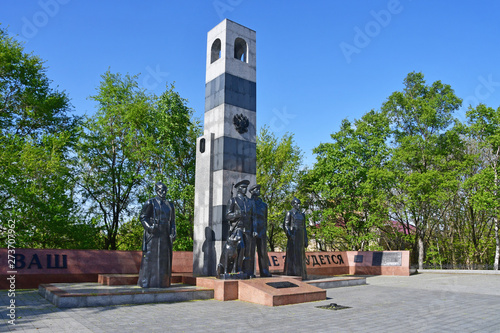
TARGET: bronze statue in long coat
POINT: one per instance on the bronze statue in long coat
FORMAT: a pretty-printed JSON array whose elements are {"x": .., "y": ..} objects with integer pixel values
[
  {"x": 158, "y": 219},
  {"x": 295, "y": 229}
]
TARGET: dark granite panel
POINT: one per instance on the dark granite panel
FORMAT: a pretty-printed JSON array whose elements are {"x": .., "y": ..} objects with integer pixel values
[
  {"x": 214, "y": 92},
  {"x": 386, "y": 259},
  {"x": 234, "y": 155},
  {"x": 230, "y": 89},
  {"x": 253, "y": 90}
]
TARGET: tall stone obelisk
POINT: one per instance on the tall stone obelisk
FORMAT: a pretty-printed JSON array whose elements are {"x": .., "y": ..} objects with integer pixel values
[{"x": 226, "y": 153}]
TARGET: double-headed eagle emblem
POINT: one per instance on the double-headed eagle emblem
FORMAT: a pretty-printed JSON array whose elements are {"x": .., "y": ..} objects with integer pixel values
[{"x": 241, "y": 123}]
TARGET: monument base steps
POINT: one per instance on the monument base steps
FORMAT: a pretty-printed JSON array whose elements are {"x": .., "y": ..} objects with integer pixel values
[
  {"x": 76, "y": 295},
  {"x": 274, "y": 291},
  {"x": 261, "y": 290},
  {"x": 286, "y": 291}
]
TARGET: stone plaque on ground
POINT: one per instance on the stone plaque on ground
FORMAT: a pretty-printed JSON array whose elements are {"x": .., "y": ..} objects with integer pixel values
[
  {"x": 386, "y": 259},
  {"x": 358, "y": 258},
  {"x": 282, "y": 284}
]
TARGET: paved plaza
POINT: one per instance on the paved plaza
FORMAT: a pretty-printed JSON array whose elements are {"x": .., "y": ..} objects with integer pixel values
[{"x": 427, "y": 302}]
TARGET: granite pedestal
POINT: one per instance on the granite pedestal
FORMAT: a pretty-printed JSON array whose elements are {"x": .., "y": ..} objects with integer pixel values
[{"x": 77, "y": 295}]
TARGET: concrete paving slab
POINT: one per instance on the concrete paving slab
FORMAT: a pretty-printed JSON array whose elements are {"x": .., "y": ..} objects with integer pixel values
[{"x": 417, "y": 303}]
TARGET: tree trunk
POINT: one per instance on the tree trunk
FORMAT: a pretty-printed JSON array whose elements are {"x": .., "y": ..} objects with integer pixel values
[
  {"x": 420, "y": 252},
  {"x": 497, "y": 248},
  {"x": 270, "y": 238}
]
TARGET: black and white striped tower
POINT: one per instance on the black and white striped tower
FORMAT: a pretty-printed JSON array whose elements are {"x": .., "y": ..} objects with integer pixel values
[{"x": 226, "y": 153}]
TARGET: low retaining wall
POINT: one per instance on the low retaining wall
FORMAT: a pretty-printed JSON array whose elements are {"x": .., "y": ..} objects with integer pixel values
[
  {"x": 349, "y": 262},
  {"x": 37, "y": 266}
]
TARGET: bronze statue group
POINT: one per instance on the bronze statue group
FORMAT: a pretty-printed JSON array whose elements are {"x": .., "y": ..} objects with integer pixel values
[
  {"x": 247, "y": 218},
  {"x": 248, "y": 225}
]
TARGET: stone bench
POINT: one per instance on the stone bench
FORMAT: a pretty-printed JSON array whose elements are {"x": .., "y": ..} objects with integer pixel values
[{"x": 131, "y": 279}]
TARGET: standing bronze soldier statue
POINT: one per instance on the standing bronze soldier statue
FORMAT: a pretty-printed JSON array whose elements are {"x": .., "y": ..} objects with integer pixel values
[
  {"x": 295, "y": 229},
  {"x": 260, "y": 230},
  {"x": 158, "y": 219},
  {"x": 239, "y": 213}
]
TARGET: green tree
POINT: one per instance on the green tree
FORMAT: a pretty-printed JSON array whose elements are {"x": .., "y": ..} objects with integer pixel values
[
  {"x": 484, "y": 125},
  {"x": 346, "y": 184},
  {"x": 130, "y": 235},
  {"x": 278, "y": 172},
  {"x": 133, "y": 141},
  {"x": 36, "y": 141},
  {"x": 463, "y": 237},
  {"x": 113, "y": 153},
  {"x": 173, "y": 157},
  {"x": 423, "y": 154}
]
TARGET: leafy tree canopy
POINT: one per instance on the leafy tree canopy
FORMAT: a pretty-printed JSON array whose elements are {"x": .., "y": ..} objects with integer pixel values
[
  {"x": 278, "y": 172},
  {"x": 37, "y": 134}
]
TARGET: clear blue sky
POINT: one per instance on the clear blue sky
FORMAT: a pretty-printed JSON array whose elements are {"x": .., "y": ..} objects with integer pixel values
[{"x": 318, "y": 62}]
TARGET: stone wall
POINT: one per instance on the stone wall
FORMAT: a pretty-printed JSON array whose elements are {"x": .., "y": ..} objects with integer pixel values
[
  {"x": 349, "y": 262},
  {"x": 36, "y": 266}
]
